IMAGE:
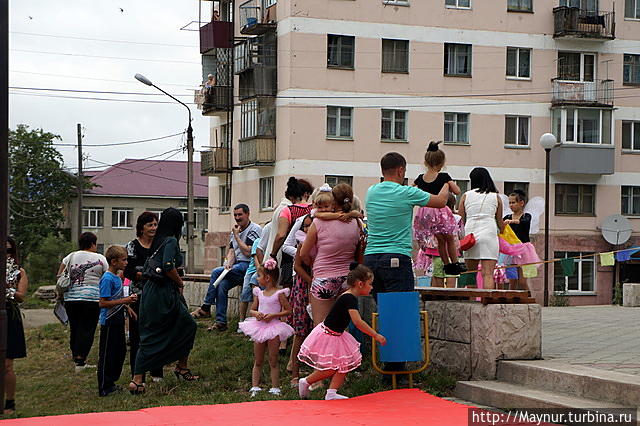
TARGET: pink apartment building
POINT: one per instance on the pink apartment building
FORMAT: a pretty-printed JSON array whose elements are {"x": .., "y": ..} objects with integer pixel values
[{"x": 322, "y": 89}]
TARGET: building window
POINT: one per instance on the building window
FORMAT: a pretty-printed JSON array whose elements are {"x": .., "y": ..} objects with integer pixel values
[
  {"x": 340, "y": 51},
  {"x": 631, "y": 72},
  {"x": 93, "y": 217},
  {"x": 456, "y": 127},
  {"x": 590, "y": 6},
  {"x": 269, "y": 3},
  {"x": 520, "y": 5},
  {"x": 509, "y": 187},
  {"x": 266, "y": 193},
  {"x": 576, "y": 66},
  {"x": 582, "y": 125},
  {"x": 225, "y": 198},
  {"x": 395, "y": 55},
  {"x": 632, "y": 9},
  {"x": 464, "y": 187},
  {"x": 405, "y": 182},
  {"x": 396, "y": 2},
  {"x": 516, "y": 130},
  {"x": 333, "y": 180},
  {"x": 574, "y": 199},
  {"x": 518, "y": 62},
  {"x": 457, "y": 59},
  {"x": 121, "y": 217},
  {"x": 583, "y": 279},
  {"x": 461, "y": 4},
  {"x": 394, "y": 125},
  {"x": 202, "y": 218},
  {"x": 257, "y": 118},
  {"x": 339, "y": 122},
  {"x": 631, "y": 135},
  {"x": 100, "y": 248},
  {"x": 631, "y": 200}
]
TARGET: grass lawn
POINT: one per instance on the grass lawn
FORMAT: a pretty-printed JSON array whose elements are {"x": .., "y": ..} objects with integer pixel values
[{"x": 48, "y": 385}]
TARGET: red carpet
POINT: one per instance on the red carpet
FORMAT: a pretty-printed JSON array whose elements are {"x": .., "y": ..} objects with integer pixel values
[{"x": 406, "y": 406}]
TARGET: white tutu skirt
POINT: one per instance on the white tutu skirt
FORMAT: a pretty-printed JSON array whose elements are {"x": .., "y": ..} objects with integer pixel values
[
  {"x": 324, "y": 349},
  {"x": 262, "y": 331}
]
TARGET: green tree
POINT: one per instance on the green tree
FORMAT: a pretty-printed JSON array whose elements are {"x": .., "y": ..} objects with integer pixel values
[
  {"x": 39, "y": 187},
  {"x": 45, "y": 259}
]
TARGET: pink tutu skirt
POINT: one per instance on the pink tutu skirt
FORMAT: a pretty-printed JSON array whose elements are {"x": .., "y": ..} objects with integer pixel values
[
  {"x": 262, "y": 331},
  {"x": 430, "y": 221},
  {"x": 324, "y": 349}
]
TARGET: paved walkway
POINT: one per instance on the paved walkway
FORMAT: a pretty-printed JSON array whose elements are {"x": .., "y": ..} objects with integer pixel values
[
  {"x": 38, "y": 317},
  {"x": 606, "y": 337}
]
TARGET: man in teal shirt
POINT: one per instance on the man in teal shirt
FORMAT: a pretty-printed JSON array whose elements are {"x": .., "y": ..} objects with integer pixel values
[{"x": 389, "y": 207}]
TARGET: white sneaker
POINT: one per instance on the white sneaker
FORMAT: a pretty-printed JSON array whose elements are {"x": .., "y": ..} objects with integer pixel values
[
  {"x": 303, "y": 388},
  {"x": 239, "y": 331},
  {"x": 333, "y": 394},
  {"x": 79, "y": 368},
  {"x": 274, "y": 391},
  {"x": 254, "y": 391},
  {"x": 157, "y": 379}
]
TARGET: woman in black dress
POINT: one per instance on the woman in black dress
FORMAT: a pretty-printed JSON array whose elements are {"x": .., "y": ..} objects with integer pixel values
[
  {"x": 16, "y": 290},
  {"x": 138, "y": 250}
]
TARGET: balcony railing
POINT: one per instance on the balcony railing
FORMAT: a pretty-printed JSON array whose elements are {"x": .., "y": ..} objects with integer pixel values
[
  {"x": 256, "y": 17},
  {"x": 216, "y": 34},
  {"x": 214, "y": 161},
  {"x": 582, "y": 23},
  {"x": 599, "y": 92},
  {"x": 257, "y": 152}
]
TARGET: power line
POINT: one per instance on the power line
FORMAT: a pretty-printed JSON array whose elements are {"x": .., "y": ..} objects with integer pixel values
[
  {"x": 130, "y": 161},
  {"x": 94, "y": 78},
  {"x": 102, "y": 39},
  {"x": 122, "y": 143},
  {"x": 42, "y": 52},
  {"x": 45, "y": 89},
  {"x": 96, "y": 99}
]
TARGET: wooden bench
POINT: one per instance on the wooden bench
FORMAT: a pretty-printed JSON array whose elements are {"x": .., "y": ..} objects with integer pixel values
[
  {"x": 197, "y": 278},
  {"x": 486, "y": 295}
]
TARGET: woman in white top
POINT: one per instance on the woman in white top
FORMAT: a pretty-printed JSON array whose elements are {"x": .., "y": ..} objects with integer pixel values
[
  {"x": 481, "y": 211},
  {"x": 81, "y": 300}
]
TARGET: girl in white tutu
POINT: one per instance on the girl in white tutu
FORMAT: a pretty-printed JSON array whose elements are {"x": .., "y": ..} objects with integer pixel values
[
  {"x": 329, "y": 348},
  {"x": 264, "y": 326}
]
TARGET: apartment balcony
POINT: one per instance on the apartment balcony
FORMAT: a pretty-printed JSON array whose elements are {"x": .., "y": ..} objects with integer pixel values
[
  {"x": 257, "y": 152},
  {"x": 584, "y": 93},
  {"x": 573, "y": 22},
  {"x": 257, "y": 17},
  {"x": 216, "y": 34},
  {"x": 260, "y": 51},
  {"x": 214, "y": 161},
  {"x": 581, "y": 158}
]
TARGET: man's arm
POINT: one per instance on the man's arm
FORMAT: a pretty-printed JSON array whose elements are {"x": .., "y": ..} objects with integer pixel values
[
  {"x": 230, "y": 259},
  {"x": 244, "y": 248}
]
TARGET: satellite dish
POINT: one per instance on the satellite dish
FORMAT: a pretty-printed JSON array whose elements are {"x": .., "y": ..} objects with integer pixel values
[{"x": 616, "y": 229}]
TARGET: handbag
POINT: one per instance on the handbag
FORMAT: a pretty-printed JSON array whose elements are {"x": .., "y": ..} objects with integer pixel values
[
  {"x": 362, "y": 243},
  {"x": 64, "y": 280},
  {"x": 467, "y": 242},
  {"x": 152, "y": 269}
]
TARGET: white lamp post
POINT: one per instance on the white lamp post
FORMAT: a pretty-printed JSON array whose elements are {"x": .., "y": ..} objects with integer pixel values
[{"x": 547, "y": 141}]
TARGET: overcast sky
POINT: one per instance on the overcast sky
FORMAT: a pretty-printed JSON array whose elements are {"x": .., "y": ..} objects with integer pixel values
[{"x": 59, "y": 30}]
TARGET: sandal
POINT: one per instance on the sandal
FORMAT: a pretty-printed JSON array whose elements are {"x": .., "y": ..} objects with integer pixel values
[
  {"x": 200, "y": 313},
  {"x": 185, "y": 373},
  {"x": 219, "y": 326},
  {"x": 138, "y": 390}
]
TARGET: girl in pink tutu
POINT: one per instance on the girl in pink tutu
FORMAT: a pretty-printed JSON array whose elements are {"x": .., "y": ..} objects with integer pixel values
[
  {"x": 329, "y": 348},
  {"x": 439, "y": 222},
  {"x": 264, "y": 326}
]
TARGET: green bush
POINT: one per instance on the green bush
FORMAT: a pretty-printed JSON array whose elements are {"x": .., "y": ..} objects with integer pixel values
[{"x": 43, "y": 263}]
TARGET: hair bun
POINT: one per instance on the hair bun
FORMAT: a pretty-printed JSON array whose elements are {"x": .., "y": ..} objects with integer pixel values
[
  {"x": 433, "y": 146},
  {"x": 353, "y": 265},
  {"x": 292, "y": 180}
]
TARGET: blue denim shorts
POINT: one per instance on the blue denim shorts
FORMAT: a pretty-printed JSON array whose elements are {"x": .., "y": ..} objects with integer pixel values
[{"x": 250, "y": 280}]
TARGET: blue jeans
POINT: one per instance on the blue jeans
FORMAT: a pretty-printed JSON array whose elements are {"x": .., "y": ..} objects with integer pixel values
[
  {"x": 250, "y": 280},
  {"x": 390, "y": 275},
  {"x": 219, "y": 295}
]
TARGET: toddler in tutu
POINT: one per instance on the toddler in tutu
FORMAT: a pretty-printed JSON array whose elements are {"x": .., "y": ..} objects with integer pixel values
[
  {"x": 438, "y": 222},
  {"x": 329, "y": 348},
  {"x": 264, "y": 326}
]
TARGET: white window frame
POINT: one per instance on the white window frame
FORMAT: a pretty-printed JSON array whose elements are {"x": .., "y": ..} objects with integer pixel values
[
  {"x": 517, "y": 51},
  {"x": 268, "y": 3},
  {"x": 249, "y": 119},
  {"x": 395, "y": 53},
  {"x": 94, "y": 213},
  {"x": 451, "y": 53},
  {"x": 333, "y": 180},
  {"x": 224, "y": 199},
  {"x": 394, "y": 122},
  {"x": 266, "y": 193},
  {"x": 575, "y": 138},
  {"x": 634, "y": 58},
  {"x": 339, "y": 113},
  {"x": 125, "y": 213},
  {"x": 586, "y": 257},
  {"x": 518, "y": 119},
  {"x": 635, "y": 8},
  {"x": 396, "y": 2},
  {"x": 455, "y": 123},
  {"x": 634, "y": 145},
  {"x": 632, "y": 192},
  {"x": 582, "y": 66},
  {"x": 338, "y": 54},
  {"x": 521, "y": 9},
  {"x": 456, "y": 4}
]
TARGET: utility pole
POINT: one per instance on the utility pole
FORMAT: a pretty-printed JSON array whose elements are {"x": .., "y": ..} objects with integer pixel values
[
  {"x": 4, "y": 179},
  {"x": 190, "y": 216},
  {"x": 80, "y": 182}
]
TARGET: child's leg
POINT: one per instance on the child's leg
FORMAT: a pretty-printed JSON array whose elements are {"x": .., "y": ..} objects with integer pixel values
[
  {"x": 337, "y": 380},
  {"x": 443, "y": 248},
  {"x": 487, "y": 273},
  {"x": 293, "y": 360},
  {"x": 111, "y": 354},
  {"x": 273, "y": 362},
  {"x": 258, "y": 354},
  {"x": 318, "y": 375}
]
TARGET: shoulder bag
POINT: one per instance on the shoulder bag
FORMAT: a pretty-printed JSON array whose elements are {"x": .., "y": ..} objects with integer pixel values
[
  {"x": 152, "y": 269},
  {"x": 64, "y": 280}
]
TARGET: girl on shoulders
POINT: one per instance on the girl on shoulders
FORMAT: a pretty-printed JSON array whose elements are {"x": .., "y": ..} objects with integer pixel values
[
  {"x": 264, "y": 326},
  {"x": 431, "y": 221}
]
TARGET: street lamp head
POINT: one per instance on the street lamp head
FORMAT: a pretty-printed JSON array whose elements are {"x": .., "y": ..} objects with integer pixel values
[
  {"x": 548, "y": 141},
  {"x": 142, "y": 79}
]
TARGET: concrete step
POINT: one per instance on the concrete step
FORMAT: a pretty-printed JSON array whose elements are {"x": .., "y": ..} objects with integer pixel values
[
  {"x": 508, "y": 396},
  {"x": 573, "y": 380}
]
